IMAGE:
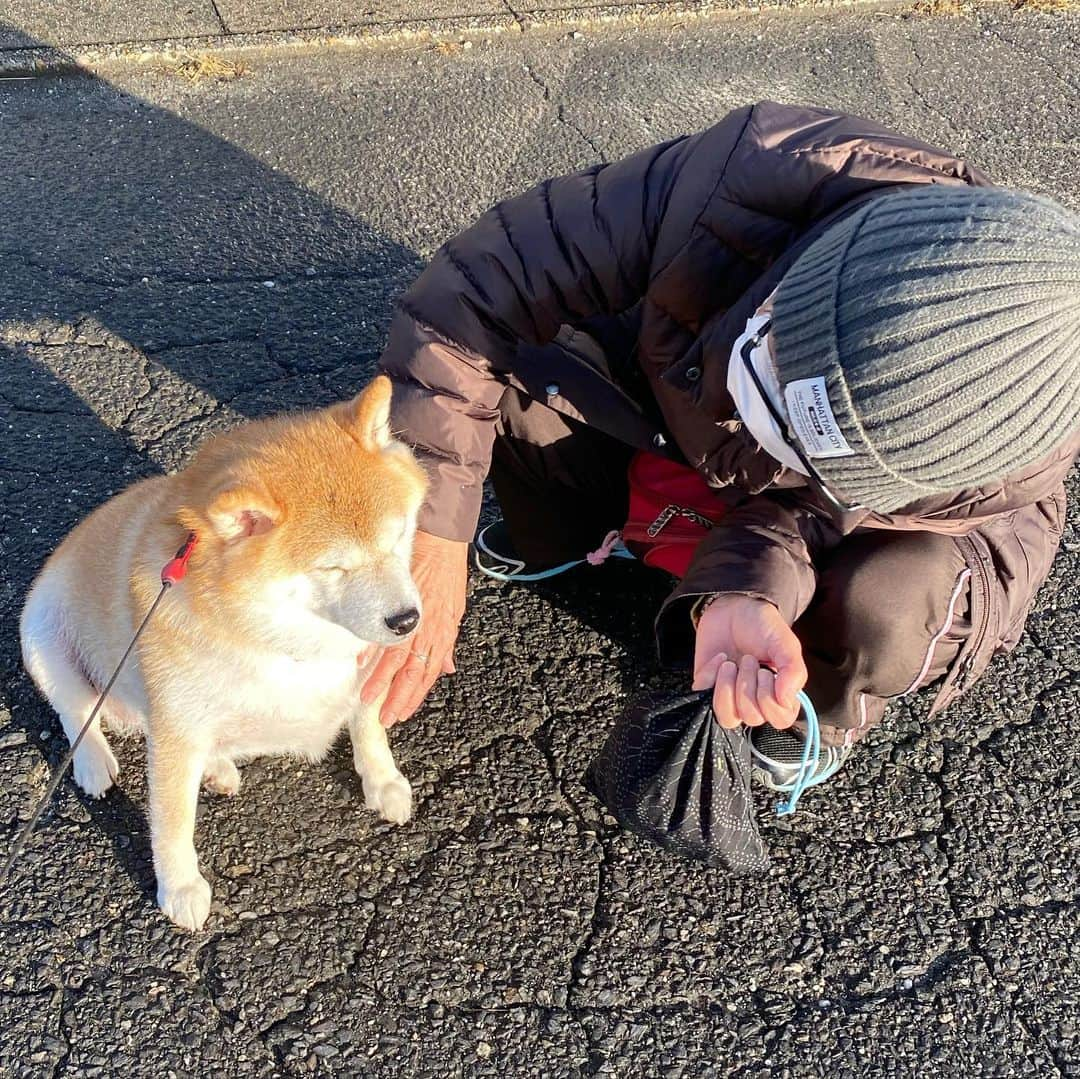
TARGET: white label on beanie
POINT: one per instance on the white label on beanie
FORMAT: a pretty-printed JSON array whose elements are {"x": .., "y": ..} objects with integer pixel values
[{"x": 812, "y": 417}]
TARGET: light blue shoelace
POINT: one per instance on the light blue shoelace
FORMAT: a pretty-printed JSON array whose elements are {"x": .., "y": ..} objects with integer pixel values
[{"x": 811, "y": 758}]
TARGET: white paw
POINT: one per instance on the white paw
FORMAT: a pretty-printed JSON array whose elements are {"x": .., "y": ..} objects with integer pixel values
[
  {"x": 187, "y": 905},
  {"x": 222, "y": 777},
  {"x": 95, "y": 767},
  {"x": 392, "y": 799}
]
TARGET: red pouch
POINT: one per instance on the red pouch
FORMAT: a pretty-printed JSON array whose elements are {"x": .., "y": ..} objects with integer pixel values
[{"x": 671, "y": 511}]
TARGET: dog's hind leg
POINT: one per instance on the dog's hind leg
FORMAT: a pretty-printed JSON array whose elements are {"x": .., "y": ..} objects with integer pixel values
[
  {"x": 386, "y": 790},
  {"x": 50, "y": 661},
  {"x": 221, "y": 776}
]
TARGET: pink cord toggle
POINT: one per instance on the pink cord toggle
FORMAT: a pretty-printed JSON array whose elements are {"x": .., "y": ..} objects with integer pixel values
[{"x": 600, "y": 555}]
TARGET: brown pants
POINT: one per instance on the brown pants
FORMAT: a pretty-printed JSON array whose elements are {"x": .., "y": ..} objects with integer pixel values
[{"x": 892, "y": 612}]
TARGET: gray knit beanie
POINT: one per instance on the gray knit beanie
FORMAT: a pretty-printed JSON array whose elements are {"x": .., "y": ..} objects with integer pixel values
[{"x": 931, "y": 342}]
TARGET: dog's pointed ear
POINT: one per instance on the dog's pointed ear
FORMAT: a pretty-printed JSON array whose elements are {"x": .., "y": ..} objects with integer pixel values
[
  {"x": 241, "y": 511},
  {"x": 367, "y": 416}
]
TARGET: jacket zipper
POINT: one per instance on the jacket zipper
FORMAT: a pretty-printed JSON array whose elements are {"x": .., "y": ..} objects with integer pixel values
[{"x": 978, "y": 639}]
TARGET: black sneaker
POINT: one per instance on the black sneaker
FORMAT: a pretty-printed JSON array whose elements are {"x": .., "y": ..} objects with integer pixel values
[{"x": 495, "y": 556}]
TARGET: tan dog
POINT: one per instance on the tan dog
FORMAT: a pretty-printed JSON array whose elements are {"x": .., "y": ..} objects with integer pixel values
[{"x": 305, "y": 527}]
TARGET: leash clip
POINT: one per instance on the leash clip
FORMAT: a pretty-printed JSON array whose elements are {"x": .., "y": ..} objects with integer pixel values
[{"x": 175, "y": 570}]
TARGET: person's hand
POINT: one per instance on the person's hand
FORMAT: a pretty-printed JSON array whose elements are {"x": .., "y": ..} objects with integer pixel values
[
  {"x": 405, "y": 673},
  {"x": 737, "y": 638}
]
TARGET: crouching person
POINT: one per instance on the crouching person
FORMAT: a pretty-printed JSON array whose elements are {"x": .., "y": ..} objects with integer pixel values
[{"x": 867, "y": 352}]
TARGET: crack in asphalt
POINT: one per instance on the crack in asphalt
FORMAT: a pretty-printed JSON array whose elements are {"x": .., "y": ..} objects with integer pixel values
[
  {"x": 541, "y": 739},
  {"x": 31, "y": 262},
  {"x": 462, "y": 766},
  {"x": 564, "y": 117},
  {"x": 220, "y": 18},
  {"x": 65, "y": 1035},
  {"x": 345, "y": 978},
  {"x": 971, "y": 926},
  {"x": 926, "y": 102},
  {"x": 518, "y": 18},
  {"x": 40, "y": 410},
  {"x": 1037, "y": 718},
  {"x": 1035, "y": 1036}
]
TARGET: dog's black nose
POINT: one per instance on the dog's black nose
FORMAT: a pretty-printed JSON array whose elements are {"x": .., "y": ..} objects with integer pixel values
[{"x": 403, "y": 622}]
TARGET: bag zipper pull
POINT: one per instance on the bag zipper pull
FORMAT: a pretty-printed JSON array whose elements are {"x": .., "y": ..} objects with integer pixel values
[
  {"x": 662, "y": 521},
  {"x": 693, "y": 515}
]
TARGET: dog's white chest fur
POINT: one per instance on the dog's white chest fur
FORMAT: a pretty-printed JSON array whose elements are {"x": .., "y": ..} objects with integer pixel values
[{"x": 277, "y": 704}]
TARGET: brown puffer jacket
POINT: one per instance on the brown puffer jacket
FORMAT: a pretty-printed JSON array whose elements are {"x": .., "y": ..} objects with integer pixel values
[{"x": 682, "y": 242}]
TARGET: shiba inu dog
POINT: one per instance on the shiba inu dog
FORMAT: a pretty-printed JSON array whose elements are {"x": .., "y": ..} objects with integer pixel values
[{"x": 300, "y": 573}]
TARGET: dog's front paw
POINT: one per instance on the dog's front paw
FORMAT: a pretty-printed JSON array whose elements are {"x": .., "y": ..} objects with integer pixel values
[
  {"x": 391, "y": 799},
  {"x": 188, "y": 904},
  {"x": 95, "y": 767}
]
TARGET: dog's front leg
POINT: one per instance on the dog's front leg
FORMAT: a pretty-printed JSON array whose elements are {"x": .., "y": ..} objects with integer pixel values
[
  {"x": 386, "y": 790},
  {"x": 175, "y": 765}
]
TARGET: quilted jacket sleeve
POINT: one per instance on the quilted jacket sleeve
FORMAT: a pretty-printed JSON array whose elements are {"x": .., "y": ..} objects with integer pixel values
[
  {"x": 569, "y": 249},
  {"x": 766, "y": 548}
]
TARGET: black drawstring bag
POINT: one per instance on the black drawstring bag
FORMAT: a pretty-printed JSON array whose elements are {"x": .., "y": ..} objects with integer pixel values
[{"x": 671, "y": 773}]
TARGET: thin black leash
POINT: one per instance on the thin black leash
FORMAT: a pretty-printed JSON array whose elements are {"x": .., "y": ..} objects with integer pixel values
[{"x": 174, "y": 572}]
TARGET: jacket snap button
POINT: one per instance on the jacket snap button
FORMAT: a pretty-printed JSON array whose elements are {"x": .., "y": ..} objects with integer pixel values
[
  {"x": 552, "y": 389},
  {"x": 693, "y": 374},
  {"x": 659, "y": 441}
]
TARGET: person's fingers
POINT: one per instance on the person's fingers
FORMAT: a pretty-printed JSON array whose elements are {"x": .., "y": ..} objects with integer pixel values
[
  {"x": 423, "y": 670},
  {"x": 724, "y": 695},
  {"x": 705, "y": 678},
  {"x": 705, "y": 675},
  {"x": 775, "y": 713},
  {"x": 790, "y": 667},
  {"x": 422, "y": 662},
  {"x": 432, "y": 672},
  {"x": 408, "y": 689},
  {"x": 746, "y": 685},
  {"x": 378, "y": 681}
]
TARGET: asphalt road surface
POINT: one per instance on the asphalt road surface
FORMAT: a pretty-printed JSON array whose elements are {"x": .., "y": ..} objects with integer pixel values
[{"x": 176, "y": 257}]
